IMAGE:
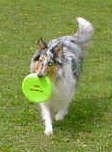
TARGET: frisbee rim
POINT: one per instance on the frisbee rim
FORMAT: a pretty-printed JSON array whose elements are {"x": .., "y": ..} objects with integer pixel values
[{"x": 37, "y": 99}]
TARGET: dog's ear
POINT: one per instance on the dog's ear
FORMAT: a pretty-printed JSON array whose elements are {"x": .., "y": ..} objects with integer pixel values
[
  {"x": 59, "y": 50},
  {"x": 41, "y": 44},
  {"x": 58, "y": 54}
]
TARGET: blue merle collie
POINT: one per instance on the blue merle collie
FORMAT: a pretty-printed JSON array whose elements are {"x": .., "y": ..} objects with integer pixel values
[{"x": 61, "y": 59}]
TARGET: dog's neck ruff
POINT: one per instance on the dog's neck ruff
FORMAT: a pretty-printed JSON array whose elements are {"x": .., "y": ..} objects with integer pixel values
[{"x": 71, "y": 53}]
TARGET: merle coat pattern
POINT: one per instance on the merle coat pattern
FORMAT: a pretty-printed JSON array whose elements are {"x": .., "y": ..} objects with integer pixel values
[{"x": 61, "y": 59}]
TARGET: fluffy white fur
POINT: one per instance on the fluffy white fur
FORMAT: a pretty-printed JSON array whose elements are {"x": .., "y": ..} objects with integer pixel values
[{"x": 64, "y": 90}]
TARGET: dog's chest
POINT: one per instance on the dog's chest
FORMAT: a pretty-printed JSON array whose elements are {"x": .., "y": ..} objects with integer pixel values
[{"x": 63, "y": 88}]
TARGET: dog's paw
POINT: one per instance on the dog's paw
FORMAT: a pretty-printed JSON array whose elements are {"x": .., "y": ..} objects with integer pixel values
[
  {"x": 59, "y": 117},
  {"x": 48, "y": 132}
]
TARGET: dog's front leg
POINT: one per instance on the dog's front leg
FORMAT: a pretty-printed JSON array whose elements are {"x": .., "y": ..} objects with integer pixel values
[{"x": 46, "y": 116}]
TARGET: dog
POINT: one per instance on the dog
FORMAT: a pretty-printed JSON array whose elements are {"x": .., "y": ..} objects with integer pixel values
[{"x": 61, "y": 59}]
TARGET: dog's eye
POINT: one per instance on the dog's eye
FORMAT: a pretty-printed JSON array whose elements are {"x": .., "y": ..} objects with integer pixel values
[
  {"x": 58, "y": 61},
  {"x": 50, "y": 63},
  {"x": 36, "y": 57}
]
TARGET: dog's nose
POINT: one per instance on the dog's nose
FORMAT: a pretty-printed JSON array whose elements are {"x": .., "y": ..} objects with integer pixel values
[{"x": 40, "y": 75}]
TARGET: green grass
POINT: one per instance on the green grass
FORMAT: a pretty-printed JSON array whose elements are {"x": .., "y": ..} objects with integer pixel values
[{"x": 88, "y": 127}]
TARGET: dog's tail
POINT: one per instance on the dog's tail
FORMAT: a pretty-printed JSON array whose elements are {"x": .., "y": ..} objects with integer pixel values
[{"x": 84, "y": 33}]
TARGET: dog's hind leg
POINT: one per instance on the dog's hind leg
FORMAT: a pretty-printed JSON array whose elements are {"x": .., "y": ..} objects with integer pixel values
[
  {"x": 62, "y": 113},
  {"x": 64, "y": 108}
]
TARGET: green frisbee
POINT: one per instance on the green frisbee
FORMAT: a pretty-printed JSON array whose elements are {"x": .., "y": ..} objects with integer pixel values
[{"x": 37, "y": 89}]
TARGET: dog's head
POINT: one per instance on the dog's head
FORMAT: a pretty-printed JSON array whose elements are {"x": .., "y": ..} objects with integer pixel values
[{"x": 48, "y": 59}]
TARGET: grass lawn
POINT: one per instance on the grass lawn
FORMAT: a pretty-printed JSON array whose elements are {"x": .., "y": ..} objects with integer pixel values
[{"x": 88, "y": 127}]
